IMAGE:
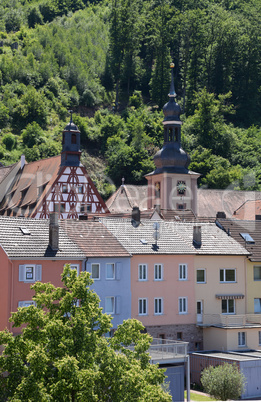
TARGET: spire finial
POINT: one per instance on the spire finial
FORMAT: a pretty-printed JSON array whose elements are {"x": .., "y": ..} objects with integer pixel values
[
  {"x": 172, "y": 93},
  {"x": 122, "y": 181},
  {"x": 71, "y": 111}
]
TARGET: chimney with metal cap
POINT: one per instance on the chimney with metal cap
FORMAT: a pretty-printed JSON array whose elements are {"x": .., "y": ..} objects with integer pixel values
[
  {"x": 197, "y": 236},
  {"x": 22, "y": 161},
  {"x": 54, "y": 231},
  {"x": 135, "y": 216}
]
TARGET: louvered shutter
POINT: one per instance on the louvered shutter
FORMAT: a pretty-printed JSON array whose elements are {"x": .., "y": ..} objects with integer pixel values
[
  {"x": 118, "y": 270},
  {"x": 38, "y": 273},
  {"x": 21, "y": 273},
  {"x": 117, "y": 305}
]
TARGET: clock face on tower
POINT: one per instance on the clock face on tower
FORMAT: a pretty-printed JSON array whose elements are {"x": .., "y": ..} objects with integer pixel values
[{"x": 181, "y": 186}]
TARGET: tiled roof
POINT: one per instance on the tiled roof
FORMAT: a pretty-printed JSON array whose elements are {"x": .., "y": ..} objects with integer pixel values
[
  {"x": 248, "y": 210},
  {"x": 212, "y": 201},
  {"x": 94, "y": 239},
  {"x": 126, "y": 197},
  {"x": 16, "y": 244},
  {"x": 4, "y": 170},
  {"x": 174, "y": 238},
  {"x": 253, "y": 228},
  {"x": 25, "y": 188}
]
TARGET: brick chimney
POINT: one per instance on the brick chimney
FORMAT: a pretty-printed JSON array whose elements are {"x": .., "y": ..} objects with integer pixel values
[
  {"x": 197, "y": 236},
  {"x": 54, "y": 231}
]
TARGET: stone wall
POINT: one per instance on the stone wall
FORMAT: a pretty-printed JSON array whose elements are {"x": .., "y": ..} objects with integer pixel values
[{"x": 186, "y": 333}]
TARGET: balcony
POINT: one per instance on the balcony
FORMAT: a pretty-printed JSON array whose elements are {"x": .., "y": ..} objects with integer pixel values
[
  {"x": 165, "y": 351},
  {"x": 230, "y": 320}
]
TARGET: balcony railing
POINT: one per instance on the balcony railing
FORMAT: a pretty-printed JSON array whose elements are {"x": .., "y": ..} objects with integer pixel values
[
  {"x": 165, "y": 350},
  {"x": 231, "y": 320}
]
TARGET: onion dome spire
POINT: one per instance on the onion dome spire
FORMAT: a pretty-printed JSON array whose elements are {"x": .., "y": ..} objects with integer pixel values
[
  {"x": 71, "y": 153},
  {"x": 172, "y": 158}
]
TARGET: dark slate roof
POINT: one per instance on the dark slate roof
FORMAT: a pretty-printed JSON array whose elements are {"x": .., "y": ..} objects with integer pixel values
[
  {"x": 16, "y": 244},
  {"x": 175, "y": 238},
  {"x": 94, "y": 239},
  {"x": 253, "y": 228}
]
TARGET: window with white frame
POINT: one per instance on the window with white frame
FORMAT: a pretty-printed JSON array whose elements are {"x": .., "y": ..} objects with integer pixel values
[
  {"x": 110, "y": 305},
  {"x": 158, "y": 305},
  {"x": 228, "y": 306},
  {"x": 110, "y": 271},
  {"x": 259, "y": 338},
  {"x": 201, "y": 276},
  {"x": 95, "y": 271},
  {"x": 143, "y": 272},
  {"x": 257, "y": 305},
  {"x": 183, "y": 272},
  {"x": 241, "y": 339},
  {"x": 143, "y": 307},
  {"x": 257, "y": 273},
  {"x": 227, "y": 275},
  {"x": 183, "y": 305},
  {"x": 30, "y": 273},
  {"x": 26, "y": 303},
  {"x": 158, "y": 272},
  {"x": 76, "y": 267}
]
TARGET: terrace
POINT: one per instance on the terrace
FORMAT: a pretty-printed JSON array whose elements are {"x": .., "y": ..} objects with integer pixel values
[{"x": 231, "y": 320}]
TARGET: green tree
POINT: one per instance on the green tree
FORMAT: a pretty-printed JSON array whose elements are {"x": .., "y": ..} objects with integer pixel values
[
  {"x": 223, "y": 382},
  {"x": 63, "y": 355}
]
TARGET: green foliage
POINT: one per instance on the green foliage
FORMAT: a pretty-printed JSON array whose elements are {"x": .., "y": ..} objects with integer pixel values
[
  {"x": 63, "y": 355},
  {"x": 10, "y": 141},
  {"x": 223, "y": 382}
]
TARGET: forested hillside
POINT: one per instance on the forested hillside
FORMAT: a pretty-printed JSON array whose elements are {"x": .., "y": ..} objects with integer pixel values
[{"x": 108, "y": 61}]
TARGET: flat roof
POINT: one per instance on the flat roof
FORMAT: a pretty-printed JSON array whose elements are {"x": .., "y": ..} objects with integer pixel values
[{"x": 237, "y": 355}]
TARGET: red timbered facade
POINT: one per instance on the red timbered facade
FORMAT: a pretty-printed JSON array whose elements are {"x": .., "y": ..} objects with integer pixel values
[
  {"x": 58, "y": 184},
  {"x": 72, "y": 195}
]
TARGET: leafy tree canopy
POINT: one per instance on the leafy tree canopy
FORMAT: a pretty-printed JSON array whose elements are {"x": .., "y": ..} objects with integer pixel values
[
  {"x": 63, "y": 355},
  {"x": 223, "y": 382}
]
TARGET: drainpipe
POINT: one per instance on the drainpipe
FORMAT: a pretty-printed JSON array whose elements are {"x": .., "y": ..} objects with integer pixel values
[{"x": 188, "y": 379}]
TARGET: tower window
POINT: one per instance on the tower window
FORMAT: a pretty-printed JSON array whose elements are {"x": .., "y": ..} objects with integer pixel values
[
  {"x": 157, "y": 189},
  {"x": 170, "y": 134},
  {"x": 73, "y": 138},
  {"x": 176, "y": 134}
]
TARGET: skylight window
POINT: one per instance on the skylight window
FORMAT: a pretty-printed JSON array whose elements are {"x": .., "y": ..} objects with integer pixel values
[
  {"x": 143, "y": 241},
  {"x": 25, "y": 231},
  {"x": 247, "y": 238}
]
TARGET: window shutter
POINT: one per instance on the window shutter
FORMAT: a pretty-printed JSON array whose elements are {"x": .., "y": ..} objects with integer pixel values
[
  {"x": 38, "y": 272},
  {"x": 21, "y": 273},
  {"x": 117, "y": 305},
  {"x": 118, "y": 270},
  {"x": 89, "y": 267}
]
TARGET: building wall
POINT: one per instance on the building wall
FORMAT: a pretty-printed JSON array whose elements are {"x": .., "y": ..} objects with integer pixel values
[
  {"x": 185, "y": 333},
  {"x": 170, "y": 289},
  {"x": 6, "y": 290},
  {"x": 73, "y": 194},
  {"x": 169, "y": 196},
  {"x": 119, "y": 287},
  {"x": 51, "y": 271},
  {"x": 253, "y": 286},
  {"x": 207, "y": 291},
  {"x": 225, "y": 339}
]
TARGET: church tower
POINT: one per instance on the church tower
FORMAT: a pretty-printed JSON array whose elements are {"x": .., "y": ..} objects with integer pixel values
[
  {"x": 172, "y": 186},
  {"x": 71, "y": 154}
]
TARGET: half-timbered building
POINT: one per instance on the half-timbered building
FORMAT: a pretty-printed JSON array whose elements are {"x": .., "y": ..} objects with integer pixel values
[{"x": 57, "y": 184}]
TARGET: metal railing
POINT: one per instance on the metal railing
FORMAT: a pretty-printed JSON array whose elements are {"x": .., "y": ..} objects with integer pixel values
[
  {"x": 231, "y": 320},
  {"x": 166, "y": 349}
]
